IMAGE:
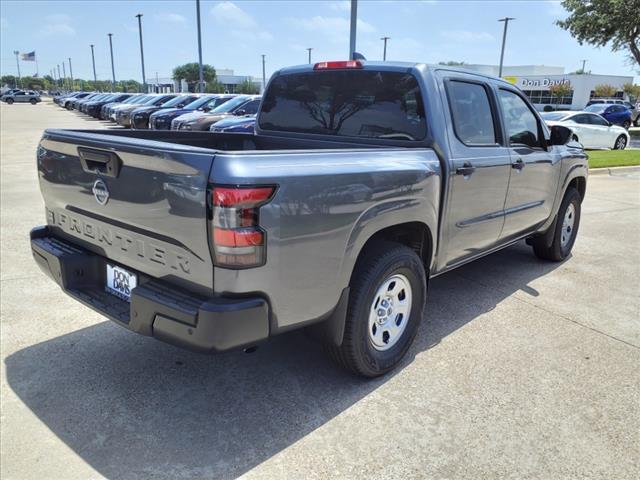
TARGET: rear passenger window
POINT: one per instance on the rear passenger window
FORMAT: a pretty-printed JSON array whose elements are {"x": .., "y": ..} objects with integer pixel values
[
  {"x": 520, "y": 122},
  {"x": 471, "y": 112}
]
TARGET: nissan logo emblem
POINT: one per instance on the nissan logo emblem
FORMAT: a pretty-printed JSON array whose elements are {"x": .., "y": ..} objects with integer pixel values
[{"x": 100, "y": 192}]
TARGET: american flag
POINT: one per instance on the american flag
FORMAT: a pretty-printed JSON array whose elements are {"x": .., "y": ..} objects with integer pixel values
[{"x": 28, "y": 57}]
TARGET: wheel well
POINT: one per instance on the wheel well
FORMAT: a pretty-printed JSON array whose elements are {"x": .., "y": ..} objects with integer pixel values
[
  {"x": 415, "y": 235},
  {"x": 580, "y": 184}
]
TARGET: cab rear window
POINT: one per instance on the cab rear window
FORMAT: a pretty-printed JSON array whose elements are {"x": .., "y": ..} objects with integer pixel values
[{"x": 346, "y": 103}]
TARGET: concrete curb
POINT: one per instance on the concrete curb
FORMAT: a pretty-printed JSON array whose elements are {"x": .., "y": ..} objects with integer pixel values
[{"x": 614, "y": 170}]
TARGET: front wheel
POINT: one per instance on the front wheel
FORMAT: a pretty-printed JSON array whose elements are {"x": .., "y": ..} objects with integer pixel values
[
  {"x": 386, "y": 305},
  {"x": 9, "y": 101},
  {"x": 621, "y": 143},
  {"x": 565, "y": 232}
]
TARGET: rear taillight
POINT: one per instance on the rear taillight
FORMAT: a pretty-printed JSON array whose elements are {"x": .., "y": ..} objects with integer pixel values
[
  {"x": 338, "y": 65},
  {"x": 238, "y": 240}
]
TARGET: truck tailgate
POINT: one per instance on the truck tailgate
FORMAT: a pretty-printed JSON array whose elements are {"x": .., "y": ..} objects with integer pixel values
[{"x": 140, "y": 203}]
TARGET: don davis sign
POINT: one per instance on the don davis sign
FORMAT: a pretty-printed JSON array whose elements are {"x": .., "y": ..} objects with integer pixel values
[{"x": 542, "y": 82}]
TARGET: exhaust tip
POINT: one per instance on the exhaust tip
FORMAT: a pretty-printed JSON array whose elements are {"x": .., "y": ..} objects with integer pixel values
[{"x": 250, "y": 349}]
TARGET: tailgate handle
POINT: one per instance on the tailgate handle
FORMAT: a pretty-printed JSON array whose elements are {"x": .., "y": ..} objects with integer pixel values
[{"x": 99, "y": 162}]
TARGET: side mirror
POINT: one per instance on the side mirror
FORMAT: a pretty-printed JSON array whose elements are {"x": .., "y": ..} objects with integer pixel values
[
  {"x": 206, "y": 109},
  {"x": 240, "y": 112},
  {"x": 560, "y": 135},
  {"x": 180, "y": 105}
]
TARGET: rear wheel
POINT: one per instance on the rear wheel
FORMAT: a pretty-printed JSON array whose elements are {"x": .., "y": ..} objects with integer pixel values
[
  {"x": 33, "y": 101},
  {"x": 386, "y": 305},
  {"x": 565, "y": 232},
  {"x": 621, "y": 143}
]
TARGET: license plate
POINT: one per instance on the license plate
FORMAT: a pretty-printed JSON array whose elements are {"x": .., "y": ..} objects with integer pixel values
[{"x": 120, "y": 282}]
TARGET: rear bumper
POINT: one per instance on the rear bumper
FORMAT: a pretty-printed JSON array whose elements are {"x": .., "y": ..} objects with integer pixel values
[{"x": 156, "y": 309}]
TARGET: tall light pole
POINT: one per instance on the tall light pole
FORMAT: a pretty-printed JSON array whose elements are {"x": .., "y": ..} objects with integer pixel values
[
  {"x": 504, "y": 39},
  {"x": 144, "y": 78},
  {"x": 584, "y": 62},
  {"x": 384, "y": 51},
  {"x": 16, "y": 53},
  {"x": 264, "y": 75},
  {"x": 352, "y": 33},
  {"x": 309, "y": 50},
  {"x": 71, "y": 74},
  {"x": 113, "y": 70},
  {"x": 64, "y": 75},
  {"x": 93, "y": 61},
  {"x": 59, "y": 77},
  {"x": 200, "y": 69}
]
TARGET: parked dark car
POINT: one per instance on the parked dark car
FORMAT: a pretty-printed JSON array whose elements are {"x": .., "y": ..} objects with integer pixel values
[
  {"x": 239, "y": 106},
  {"x": 103, "y": 109},
  {"x": 615, "y": 114},
  {"x": 161, "y": 120},
  {"x": 140, "y": 116},
  {"x": 66, "y": 101},
  {"x": 219, "y": 99},
  {"x": 111, "y": 108},
  {"x": 77, "y": 102},
  {"x": 246, "y": 124},
  {"x": 93, "y": 108},
  {"x": 123, "y": 115}
]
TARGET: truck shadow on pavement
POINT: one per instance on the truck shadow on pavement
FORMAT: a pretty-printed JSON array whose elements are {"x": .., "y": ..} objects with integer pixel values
[{"x": 132, "y": 407}]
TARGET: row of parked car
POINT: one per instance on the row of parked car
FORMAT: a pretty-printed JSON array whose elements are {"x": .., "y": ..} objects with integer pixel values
[{"x": 168, "y": 111}]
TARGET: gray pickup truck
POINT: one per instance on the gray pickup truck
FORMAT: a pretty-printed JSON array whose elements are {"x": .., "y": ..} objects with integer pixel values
[{"x": 363, "y": 181}]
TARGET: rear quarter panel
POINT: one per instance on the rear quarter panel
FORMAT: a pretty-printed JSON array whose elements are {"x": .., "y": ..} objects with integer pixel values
[{"x": 327, "y": 205}]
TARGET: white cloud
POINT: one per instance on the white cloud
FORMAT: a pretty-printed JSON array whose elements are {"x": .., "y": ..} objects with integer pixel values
[
  {"x": 58, "y": 24},
  {"x": 238, "y": 23},
  {"x": 467, "y": 36},
  {"x": 170, "y": 18},
  {"x": 329, "y": 26},
  {"x": 555, "y": 9},
  {"x": 341, "y": 6},
  {"x": 58, "y": 18},
  {"x": 228, "y": 13}
]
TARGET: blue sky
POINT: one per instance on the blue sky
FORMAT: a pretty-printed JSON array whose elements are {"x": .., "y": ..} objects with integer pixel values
[{"x": 236, "y": 33}]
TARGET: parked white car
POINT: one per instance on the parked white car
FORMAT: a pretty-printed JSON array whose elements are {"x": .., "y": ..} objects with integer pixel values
[{"x": 590, "y": 129}]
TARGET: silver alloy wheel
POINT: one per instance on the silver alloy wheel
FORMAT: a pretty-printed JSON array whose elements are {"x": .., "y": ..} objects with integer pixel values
[
  {"x": 389, "y": 313},
  {"x": 567, "y": 225},
  {"x": 621, "y": 143}
]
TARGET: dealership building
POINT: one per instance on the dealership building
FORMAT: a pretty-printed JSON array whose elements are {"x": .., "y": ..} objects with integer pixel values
[{"x": 535, "y": 80}]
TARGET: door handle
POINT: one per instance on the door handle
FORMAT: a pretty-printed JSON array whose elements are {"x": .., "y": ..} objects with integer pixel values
[
  {"x": 518, "y": 164},
  {"x": 466, "y": 169}
]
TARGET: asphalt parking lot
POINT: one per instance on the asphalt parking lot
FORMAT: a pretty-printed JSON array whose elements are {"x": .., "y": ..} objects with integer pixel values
[{"x": 522, "y": 369}]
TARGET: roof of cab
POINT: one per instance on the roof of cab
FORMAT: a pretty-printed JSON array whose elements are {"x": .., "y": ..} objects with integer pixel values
[{"x": 395, "y": 66}]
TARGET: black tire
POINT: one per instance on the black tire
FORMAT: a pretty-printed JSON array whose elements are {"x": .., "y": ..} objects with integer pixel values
[
  {"x": 621, "y": 143},
  {"x": 376, "y": 266},
  {"x": 557, "y": 252},
  {"x": 33, "y": 101},
  {"x": 9, "y": 101},
  {"x": 626, "y": 124}
]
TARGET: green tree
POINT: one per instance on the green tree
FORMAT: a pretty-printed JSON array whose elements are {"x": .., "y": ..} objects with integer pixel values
[
  {"x": 599, "y": 22},
  {"x": 560, "y": 90},
  {"x": 247, "y": 87},
  {"x": 633, "y": 91},
  {"x": 214, "y": 87},
  {"x": 189, "y": 72},
  {"x": 9, "y": 80},
  {"x": 604, "y": 90}
]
